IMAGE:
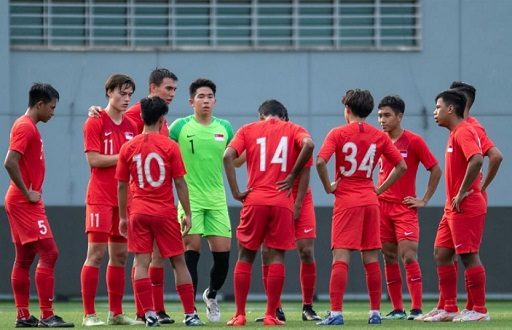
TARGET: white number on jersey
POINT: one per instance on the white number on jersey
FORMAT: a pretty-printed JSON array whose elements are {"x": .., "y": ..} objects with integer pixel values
[
  {"x": 109, "y": 146},
  {"x": 42, "y": 227},
  {"x": 350, "y": 151},
  {"x": 147, "y": 169},
  {"x": 94, "y": 219},
  {"x": 279, "y": 157}
]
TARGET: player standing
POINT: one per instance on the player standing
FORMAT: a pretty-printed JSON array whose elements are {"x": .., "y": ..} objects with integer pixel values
[
  {"x": 153, "y": 161},
  {"x": 103, "y": 138},
  {"x": 202, "y": 139},
  {"x": 276, "y": 152},
  {"x": 399, "y": 227},
  {"x": 30, "y": 228},
  {"x": 355, "y": 222}
]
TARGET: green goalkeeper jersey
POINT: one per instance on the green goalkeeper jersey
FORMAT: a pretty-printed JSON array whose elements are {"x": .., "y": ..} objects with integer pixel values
[{"x": 202, "y": 148}]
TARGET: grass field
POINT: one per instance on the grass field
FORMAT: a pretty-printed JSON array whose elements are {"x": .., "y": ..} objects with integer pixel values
[{"x": 355, "y": 314}]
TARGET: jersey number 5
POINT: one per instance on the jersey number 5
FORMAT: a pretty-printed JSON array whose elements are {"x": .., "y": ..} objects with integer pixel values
[
  {"x": 147, "y": 169},
  {"x": 350, "y": 151},
  {"x": 280, "y": 154}
]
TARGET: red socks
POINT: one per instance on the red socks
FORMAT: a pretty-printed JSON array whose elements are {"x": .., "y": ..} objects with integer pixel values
[
  {"x": 186, "y": 293},
  {"x": 475, "y": 278},
  {"x": 115, "y": 288},
  {"x": 338, "y": 284},
  {"x": 139, "y": 311},
  {"x": 242, "y": 283},
  {"x": 414, "y": 284},
  {"x": 89, "y": 281},
  {"x": 20, "y": 282},
  {"x": 448, "y": 287},
  {"x": 374, "y": 284},
  {"x": 45, "y": 284},
  {"x": 157, "y": 283},
  {"x": 275, "y": 283},
  {"x": 394, "y": 285},
  {"x": 307, "y": 282},
  {"x": 143, "y": 293}
]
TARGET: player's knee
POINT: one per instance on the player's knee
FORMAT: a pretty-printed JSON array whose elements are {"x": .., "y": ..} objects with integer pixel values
[
  {"x": 307, "y": 254},
  {"x": 23, "y": 263},
  {"x": 409, "y": 256},
  {"x": 118, "y": 258}
]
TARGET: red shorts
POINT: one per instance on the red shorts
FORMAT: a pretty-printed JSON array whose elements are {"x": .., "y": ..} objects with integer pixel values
[
  {"x": 28, "y": 221},
  {"x": 272, "y": 225},
  {"x": 356, "y": 228},
  {"x": 398, "y": 222},
  {"x": 103, "y": 219},
  {"x": 305, "y": 225},
  {"x": 463, "y": 234},
  {"x": 144, "y": 229}
]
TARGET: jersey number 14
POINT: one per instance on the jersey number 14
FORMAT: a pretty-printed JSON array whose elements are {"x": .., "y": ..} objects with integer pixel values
[{"x": 279, "y": 157}]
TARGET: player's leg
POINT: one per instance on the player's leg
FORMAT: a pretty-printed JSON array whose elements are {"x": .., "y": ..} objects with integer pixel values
[
  {"x": 89, "y": 276},
  {"x": 306, "y": 250},
  {"x": 408, "y": 250},
  {"x": 156, "y": 273},
  {"x": 370, "y": 259},
  {"x": 142, "y": 285},
  {"x": 192, "y": 242},
  {"x": 185, "y": 289},
  {"x": 20, "y": 282},
  {"x": 275, "y": 284},
  {"x": 393, "y": 280}
]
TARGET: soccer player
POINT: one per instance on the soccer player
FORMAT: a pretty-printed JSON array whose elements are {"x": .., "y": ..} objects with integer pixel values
[
  {"x": 305, "y": 235},
  {"x": 30, "y": 228},
  {"x": 355, "y": 220},
  {"x": 461, "y": 227},
  {"x": 399, "y": 227},
  {"x": 153, "y": 161},
  {"x": 276, "y": 153},
  {"x": 162, "y": 83},
  {"x": 103, "y": 138},
  {"x": 202, "y": 139}
]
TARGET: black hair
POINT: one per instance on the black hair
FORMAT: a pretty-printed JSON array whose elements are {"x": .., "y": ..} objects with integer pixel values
[
  {"x": 454, "y": 98},
  {"x": 42, "y": 92},
  {"x": 468, "y": 90},
  {"x": 360, "y": 102},
  {"x": 273, "y": 108},
  {"x": 152, "y": 108},
  {"x": 158, "y": 75},
  {"x": 201, "y": 82},
  {"x": 395, "y": 102},
  {"x": 118, "y": 81}
]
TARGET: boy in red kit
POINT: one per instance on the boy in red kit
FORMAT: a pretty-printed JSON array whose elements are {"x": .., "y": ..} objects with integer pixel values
[
  {"x": 103, "y": 138},
  {"x": 461, "y": 227},
  {"x": 399, "y": 227},
  {"x": 153, "y": 161},
  {"x": 356, "y": 223},
  {"x": 30, "y": 229},
  {"x": 276, "y": 152}
]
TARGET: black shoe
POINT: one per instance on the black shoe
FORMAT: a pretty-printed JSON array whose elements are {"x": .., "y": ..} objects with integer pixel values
[
  {"x": 280, "y": 314},
  {"x": 152, "y": 321},
  {"x": 164, "y": 318},
  {"x": 31, "y": 322},
  {"x": 54, "y": 321},
  {"x": 414, "y": 313},
  {"x": 308, "y": 314}
]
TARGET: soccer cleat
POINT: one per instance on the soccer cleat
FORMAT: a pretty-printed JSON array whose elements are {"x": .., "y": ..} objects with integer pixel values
[
  {"x": 433, "y": 312},
  {"x": 30, "y": 322},
  {"x": 279, "y": 313},
  {"x": 140, "y": 318},
  {"x": 332, "y": 320},
  {"x": 192, "y": 321},
  {"x": 152, "y": 321},
  {"x": 92, "y": 320},
  {"x": 122, "y": 319},
  {"x": 460, "y": 315},
  {"x": 237, "y": 321},
  {"x": 395, "y": 314},
  {"x": 164, "y": 318},
  {"x": 414, "y": 313},
  {"x": 270, "y": 320},
  {"x": 212, "y": 307},
  {"x": 472, "y": 316},
  {"x": 54, "y": 321},
  {"x": 442, "y": 316},
  {"x": 308, "y": 314},
  {"x": 374, "y": 318}
]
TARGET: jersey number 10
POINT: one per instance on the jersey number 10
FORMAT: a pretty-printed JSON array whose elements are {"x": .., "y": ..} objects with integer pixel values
[{"x": 147, "y": 169}]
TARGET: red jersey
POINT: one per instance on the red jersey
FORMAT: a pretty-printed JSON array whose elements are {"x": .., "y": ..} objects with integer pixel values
[
  {"x": 463, "y": 143},
  {"x": 152, "y": 161},
  {"x": 135, "y": 115},
  {"x": 272, "y": 147},
  {"x": 485, "y": 141},
  {"x": 295, "y": 188},
  {"x": 26, "y": 140},
  {"x": 357, "y": 146},
  {"x": 414, "y": 150},
  {"x": 104, "y": 136}
]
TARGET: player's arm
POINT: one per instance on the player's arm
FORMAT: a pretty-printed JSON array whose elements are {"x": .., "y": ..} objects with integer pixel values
[
  {"x": 95, "y": 159},
  {"x": 11, "y": 163},
  {"x": 395, "y": 174},
  {"x": 182, "y": 192},
  {"x": 229, "y": 167},
  {"x": 240, "y": 160},
  {"x": 472, "y": 171},
  {"x": 305, "y": 153},
  {"x": 301, "y": 192},
  {"x": 321, "y": 168},
  {"x": 433, "y": 182},
  {"x": 122, "y": 190},
  {"x": 495, "y": 159}
]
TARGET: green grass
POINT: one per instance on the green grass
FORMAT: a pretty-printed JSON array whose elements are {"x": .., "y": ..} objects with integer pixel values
[{"x": 356, "y": 314}]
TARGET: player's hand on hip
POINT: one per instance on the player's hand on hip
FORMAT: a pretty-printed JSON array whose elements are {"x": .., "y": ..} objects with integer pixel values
[
  {"x": 286, "y": 184},
  {"x": 33, "y": 196},
  {"x": 458, "y": 199},
  {"x": 240, "y": 196},
  {"x": 123, "y": 227},
  {"x": 334, "y": 186},
  {"x": 414, "y": 202},
  {"x": 186, "y": 224},
  {"x": 94, "y": 111}
]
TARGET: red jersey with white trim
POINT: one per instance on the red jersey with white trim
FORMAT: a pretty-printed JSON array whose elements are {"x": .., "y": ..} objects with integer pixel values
[
  {"x": 152, "y": 161},
  {"x": 272, "y": 147},
  {"x": 357, "y": 146},
  {"x": 104, "y": 136},
  {"x": 414, "y": 150},
  {"x": 463, "y": 143},
  {"x": 26, "y": 140},
  {"x": 135, "y": 115},
  {"x": 485, "y": 140}
]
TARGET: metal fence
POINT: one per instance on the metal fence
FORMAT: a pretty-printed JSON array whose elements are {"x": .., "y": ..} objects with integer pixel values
[{"x": 216, "y": 24}]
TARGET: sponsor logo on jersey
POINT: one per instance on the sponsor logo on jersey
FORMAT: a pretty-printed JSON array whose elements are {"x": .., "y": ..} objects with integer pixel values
[
  {"x": 219, "y": 137},
  {"x": 108, "y": 133},
  {"x": 403, "y": 153},
  {"x": 449, "y": 149},
  {"x": 128, "y": 135}
]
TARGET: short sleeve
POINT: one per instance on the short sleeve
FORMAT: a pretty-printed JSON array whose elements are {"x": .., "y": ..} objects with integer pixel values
[
  {"x": 122, "y": 168},
  {"x": 390, "y": 152},
  {"x": 468, "y": 142},
  {"x": 329, "y": 146},
  {"x": 21, "y": 134},
  {"x": 238, "y": 141},
  {"x": 92, "y": 134},
  {"x": 177, "y": 165},
  {"x": 425, "y": 156}
]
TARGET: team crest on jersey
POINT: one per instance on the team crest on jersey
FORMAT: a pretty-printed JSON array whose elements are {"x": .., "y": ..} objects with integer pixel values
[
  {"x": 403, "y": 153},
  {"x": 128, "y": 135},
  {"x": 219, "y": 137},
  {"x": 449, "y": 149}
]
